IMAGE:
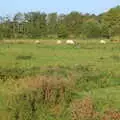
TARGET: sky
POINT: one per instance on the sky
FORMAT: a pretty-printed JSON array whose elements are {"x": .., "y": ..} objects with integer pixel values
[{"x": 10, "y": 7}]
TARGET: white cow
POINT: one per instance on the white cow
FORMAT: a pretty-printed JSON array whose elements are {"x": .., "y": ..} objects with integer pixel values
[
  {"x": 102, "y": 41},
  {"x": 71, "y": 42},
  {"x": 37, "y": 42},
  {"x": 59, "y": 41}
]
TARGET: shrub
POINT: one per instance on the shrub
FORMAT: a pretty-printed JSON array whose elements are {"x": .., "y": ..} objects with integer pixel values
[
  {"x": 37, "y": 92},
  {"x": 23, "y": 57}
]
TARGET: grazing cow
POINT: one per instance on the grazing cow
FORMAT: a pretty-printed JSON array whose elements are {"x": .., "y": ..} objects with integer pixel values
[
  {"x": 37, "y": 42},
  {"x": 102, "y": 41},
  {"x": 59, "y": 42},
  {"x": 71, "y": 42}
]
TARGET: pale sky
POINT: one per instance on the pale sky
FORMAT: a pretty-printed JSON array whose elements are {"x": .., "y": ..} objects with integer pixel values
[{"x": 10, "y": 7}]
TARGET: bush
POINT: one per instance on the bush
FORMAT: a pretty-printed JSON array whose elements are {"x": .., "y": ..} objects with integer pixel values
[
  {"x": 36, "y": 93},
  {"x": 23, "y": 57},
  {"x": 16, "y": 73}
]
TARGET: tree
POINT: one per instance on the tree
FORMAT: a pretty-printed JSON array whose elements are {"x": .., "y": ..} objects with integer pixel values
[
  {"x": 36, "y": 24},
  {"x": 73, "y": 23},
  {"x": 61, "y": 27},
  {"x": 112, "y": 20},
  {"x": 52, "y": 24},
  {"x": 91, "y": 29},
  {"x": 19, "y": 17}
]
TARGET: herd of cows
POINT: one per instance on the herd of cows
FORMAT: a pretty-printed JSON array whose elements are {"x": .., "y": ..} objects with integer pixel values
[
  {"x": 58, "y": 42},
  {"x": 73, "y": 42}
]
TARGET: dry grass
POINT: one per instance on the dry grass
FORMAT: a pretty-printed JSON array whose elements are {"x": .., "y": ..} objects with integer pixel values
[
  {"x": 50, "y": 90},
  {"x": 111, "y": 115},
  {"x": 18, "y": 41},
  {"x": 83, "y": 110},
  {"x": 51, "y": 86},
  {"x": 29, "y": 41}
]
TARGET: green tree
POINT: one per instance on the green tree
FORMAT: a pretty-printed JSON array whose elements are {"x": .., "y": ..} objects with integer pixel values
[
  {"x": 52, "y": 24},
  {"x": 91, "y": 29},
  {"x": 36, "y": 24},
  {"x": 61, "y": 27},
  {"x": 73, "y": 23},
  {"x": 112, "y": 20}
]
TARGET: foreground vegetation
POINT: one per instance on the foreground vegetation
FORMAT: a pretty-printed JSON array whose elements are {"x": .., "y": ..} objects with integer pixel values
[{"x": 59, "y": 82}]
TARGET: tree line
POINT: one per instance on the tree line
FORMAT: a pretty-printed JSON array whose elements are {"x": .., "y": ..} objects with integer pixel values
[{"x": 53, "y": 25}]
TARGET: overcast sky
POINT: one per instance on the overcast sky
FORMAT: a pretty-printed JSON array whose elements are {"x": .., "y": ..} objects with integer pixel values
[{"x": 10, "y": 7}]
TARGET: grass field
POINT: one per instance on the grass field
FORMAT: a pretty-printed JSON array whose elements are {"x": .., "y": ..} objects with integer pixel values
[{"x": 47, "y": 81}]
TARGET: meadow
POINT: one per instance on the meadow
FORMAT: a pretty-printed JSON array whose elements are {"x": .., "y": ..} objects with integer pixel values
[{"x": 47, "y": 81}]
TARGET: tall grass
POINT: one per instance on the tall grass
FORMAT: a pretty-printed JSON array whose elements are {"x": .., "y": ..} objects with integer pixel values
[{"x": 50, "y": 82}]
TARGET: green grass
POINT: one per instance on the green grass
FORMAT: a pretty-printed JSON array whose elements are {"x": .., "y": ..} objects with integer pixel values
[{"x": 92, "y": 67}]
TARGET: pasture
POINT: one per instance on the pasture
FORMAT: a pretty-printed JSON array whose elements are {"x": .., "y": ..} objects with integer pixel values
[{"x": 43, "y": 81}]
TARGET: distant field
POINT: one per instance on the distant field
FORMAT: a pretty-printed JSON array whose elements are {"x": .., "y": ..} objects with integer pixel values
[
  {"x": 49, "y": 53},
  {"x": 92, "y": 68}
]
